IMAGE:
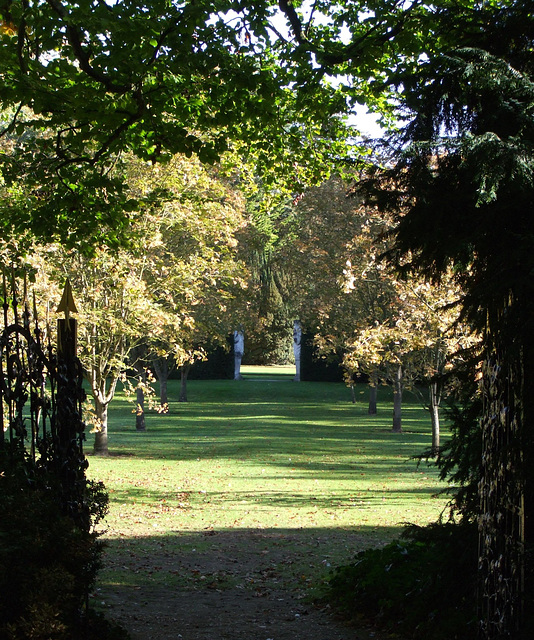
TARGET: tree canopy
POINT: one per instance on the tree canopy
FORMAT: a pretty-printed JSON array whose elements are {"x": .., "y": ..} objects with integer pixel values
[
  {"x": 463, "y": 186},
  {"x": 83, "y": 81}
]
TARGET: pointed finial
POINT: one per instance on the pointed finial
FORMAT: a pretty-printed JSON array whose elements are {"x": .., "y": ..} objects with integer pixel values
[
  {"x": 67, "y": 304},
  {"x": 66, "y": 328}
]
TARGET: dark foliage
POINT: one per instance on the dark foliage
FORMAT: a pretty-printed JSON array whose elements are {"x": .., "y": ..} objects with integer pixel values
[
  {"x": 313, "y": 368},
  {"x": 421, "y": 586},
  {"x": 463, "y": 189},
  {"x": 48, "y": 563},
  {"x": 459, "y": 458},
  {"x": 218, "y": 366}
]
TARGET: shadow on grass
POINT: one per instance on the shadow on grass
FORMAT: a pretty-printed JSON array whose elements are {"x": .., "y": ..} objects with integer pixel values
[
  {"x": 229, "y": 419},
  {"x": 235, "y": 438},
  {"x": 358, "y": 500},
  {"x": 314, "y": 551},
  {"x": 229, "y": 583}
]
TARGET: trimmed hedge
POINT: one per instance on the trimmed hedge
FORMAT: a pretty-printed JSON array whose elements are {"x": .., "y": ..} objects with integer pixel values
[{"x": 314, "y": 368}]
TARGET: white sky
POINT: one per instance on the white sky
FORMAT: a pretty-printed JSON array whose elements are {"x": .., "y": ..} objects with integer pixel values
[{"x": 367, "y": 123}]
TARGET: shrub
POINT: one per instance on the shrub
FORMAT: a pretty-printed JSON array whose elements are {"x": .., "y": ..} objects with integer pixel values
[
  {"x": 48, "y": 562},
  {"x": 421, "y": 585}
]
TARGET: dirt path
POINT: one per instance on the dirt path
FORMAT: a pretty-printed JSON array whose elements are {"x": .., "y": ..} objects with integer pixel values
[{"x": 244, "y": 585}]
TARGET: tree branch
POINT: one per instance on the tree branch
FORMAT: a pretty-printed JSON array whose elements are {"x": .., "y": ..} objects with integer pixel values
[
  {"x": 289, "y": 10},
  {"x": 377, "y": 32},
  {"x": 11, "y": 125},
  {"x": 75, "y": 40},
  {"x": 21, "y": 38},
  {"x": 61, "y": 152}
]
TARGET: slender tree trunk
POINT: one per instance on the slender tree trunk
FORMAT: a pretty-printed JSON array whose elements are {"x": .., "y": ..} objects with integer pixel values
[
  {"x": 434, "y": 392},
  {"x": 101, "y": 435},
  {"x": 163, "y": 395},
  {"x": 184, "y": 372},
  {"x": 373, "y": 393},
  {"x": 140, "y": 421},
  {"x": 352, "y": 393},
  {"x": 397, "y": 400},
  {"x": 161, "y": 367}
]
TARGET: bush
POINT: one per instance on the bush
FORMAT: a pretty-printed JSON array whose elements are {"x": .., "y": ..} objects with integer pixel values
[
  {"x": 48, "y": 563},
  {"x": 421, "y": 585}
]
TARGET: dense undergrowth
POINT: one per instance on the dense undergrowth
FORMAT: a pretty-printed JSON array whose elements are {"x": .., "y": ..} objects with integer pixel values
[
  {"x": 48, "y": 562},
  {"x": 419, "y": 586}
]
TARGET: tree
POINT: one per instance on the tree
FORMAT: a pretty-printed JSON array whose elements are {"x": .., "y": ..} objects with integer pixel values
[
  {"x": 467, "y": 178},
  {"x": 193, "y": 269},
  {"x": 115, "y": 313},
  {"x": 87, "y": 81},
  {"x": 266, "y": 317},
  {"x": 420, "y": 340},
  {"x": 144, "y": 297},
  {"x": 396, "y": 331},
  {"x": 337, "y": 242}
]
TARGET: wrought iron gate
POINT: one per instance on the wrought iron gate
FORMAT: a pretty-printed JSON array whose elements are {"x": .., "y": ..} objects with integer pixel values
[{"x": 41, "y": 398}]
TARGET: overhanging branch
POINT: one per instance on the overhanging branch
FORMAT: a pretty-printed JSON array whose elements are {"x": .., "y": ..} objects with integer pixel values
[{"x": 75, "y": 40}]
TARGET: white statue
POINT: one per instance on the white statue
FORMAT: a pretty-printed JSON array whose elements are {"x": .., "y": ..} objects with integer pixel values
[{"x": 239, "y": 350}]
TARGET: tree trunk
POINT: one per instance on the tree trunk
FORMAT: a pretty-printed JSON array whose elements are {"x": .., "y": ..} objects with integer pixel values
[
  {"x": 161, "y": 367},
  {"x": 397, "y": 400},
  {"x": 163, "y": 395},
  {"x": 139, "y": 365},
  {"x": 502, "y": 488},
  {"x": 101, "y": 435},
  {"x": 184, "y": 372},
  {"x": 140, "y": 422},
  {"x": 373, "y": 394},
  {"x": 434, "y": 415}
]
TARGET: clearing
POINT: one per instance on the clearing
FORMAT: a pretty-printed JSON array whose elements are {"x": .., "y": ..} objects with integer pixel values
[{"x": 228, "y": 514}]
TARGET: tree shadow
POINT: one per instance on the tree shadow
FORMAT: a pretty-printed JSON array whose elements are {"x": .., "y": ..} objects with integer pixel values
[{"x": 231, "y": 583}]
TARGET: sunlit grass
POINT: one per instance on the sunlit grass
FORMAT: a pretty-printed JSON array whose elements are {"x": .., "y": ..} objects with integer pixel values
[
  {"x": 267, "y": 454},
  {"x": 291, "y": 470}
]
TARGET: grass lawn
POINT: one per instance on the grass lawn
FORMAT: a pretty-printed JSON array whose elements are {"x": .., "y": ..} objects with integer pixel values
[{"x": 265, "y": 454}]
